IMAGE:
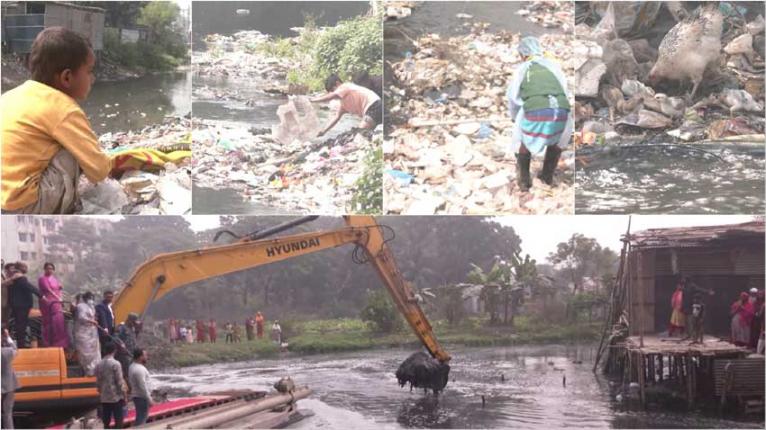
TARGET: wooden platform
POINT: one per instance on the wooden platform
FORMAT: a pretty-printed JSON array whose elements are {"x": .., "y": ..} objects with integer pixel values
[
  {"x": 711, "y": 347},
  {"x": 680, "y": 364}
]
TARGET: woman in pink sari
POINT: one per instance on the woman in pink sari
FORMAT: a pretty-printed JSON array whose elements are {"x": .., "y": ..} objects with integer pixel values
[
  {"x": 52, "y": 310},
  {"x": 741, "y": 319}
]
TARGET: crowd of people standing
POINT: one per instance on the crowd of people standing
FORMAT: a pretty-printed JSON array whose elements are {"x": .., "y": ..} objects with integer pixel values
[
  {"x": 206, "y": 331},
  {"x": 103, "y": 348},
  {"x": 747, "y": 315}
]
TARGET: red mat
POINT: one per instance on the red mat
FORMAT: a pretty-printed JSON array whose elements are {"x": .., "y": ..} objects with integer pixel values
[{"x": 166, "y": 407}]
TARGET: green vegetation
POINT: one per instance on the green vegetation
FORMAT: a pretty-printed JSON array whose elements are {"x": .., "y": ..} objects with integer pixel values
[
  {"x": 165, "y": 47},
  {"x": 380, "y": 314},
  {"x": 368, "y": 193},
  {"x": 208, "y": 353},
  {"x": 351, "y": 47},
  {"x": 346, "y": 334}
]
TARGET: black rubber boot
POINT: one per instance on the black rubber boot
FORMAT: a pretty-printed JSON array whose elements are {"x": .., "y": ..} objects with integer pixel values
[
  {"x": 522, "y": 171},
  {"x": 552, "y": 154}
]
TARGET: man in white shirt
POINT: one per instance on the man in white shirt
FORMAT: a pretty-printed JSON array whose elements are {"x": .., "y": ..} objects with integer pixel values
[{"x": 140, "y": 386}]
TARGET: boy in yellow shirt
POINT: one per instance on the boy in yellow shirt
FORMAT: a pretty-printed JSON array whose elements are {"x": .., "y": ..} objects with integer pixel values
[{"x": 47, "y": 140}]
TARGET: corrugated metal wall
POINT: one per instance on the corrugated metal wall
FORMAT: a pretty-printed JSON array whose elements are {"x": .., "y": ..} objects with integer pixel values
[
  {"x": 705, "y": 261},
  {"x": 727, "y": 271}
]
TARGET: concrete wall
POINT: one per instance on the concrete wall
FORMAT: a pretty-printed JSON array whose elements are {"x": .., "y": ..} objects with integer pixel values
[{"x": 86, "y": 21}]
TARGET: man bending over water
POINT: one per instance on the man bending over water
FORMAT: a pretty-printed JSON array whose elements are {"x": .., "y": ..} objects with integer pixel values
[{"x": 354, "y": 99}]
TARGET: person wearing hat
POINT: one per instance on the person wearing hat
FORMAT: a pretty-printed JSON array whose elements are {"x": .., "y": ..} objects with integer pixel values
[
  {"x": 128, "y": 334},
  {"x": 539, "y": 104}
]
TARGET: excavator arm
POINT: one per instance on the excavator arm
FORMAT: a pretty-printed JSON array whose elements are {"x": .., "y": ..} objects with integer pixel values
[{"x": 166, "y": 272}]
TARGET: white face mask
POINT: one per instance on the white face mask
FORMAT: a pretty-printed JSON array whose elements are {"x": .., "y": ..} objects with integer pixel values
[{"x": 91, "y": 302}]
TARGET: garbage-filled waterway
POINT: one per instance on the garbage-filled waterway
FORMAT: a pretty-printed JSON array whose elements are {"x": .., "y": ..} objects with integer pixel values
[
  {"x": 522, "y": 387},
  {"x": 240, "y": 166}
]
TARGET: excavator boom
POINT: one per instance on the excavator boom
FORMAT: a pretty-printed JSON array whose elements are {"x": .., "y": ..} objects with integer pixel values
[{"x": 166, "y": 272}]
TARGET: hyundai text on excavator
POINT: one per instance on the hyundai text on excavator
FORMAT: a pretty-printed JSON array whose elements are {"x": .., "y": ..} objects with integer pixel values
[{"x": 51, "y": 386}]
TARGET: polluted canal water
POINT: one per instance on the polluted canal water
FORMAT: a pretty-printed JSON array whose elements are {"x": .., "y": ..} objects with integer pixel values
[
  {"x": 522, "y": 388},
  {"x": 143, "y": 101},
  {"x": 687, "y": 178}
]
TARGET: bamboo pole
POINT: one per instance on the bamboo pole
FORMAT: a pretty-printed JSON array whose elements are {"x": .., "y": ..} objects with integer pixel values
[
  {"x": 690, "y": 378},
  {"x": 614, "y": 305},
  {"x": 642, "y": 377},
  {"x": 642, "y": 293}
]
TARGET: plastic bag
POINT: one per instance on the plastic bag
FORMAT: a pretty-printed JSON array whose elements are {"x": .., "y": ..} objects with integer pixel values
[{"x": 297, "y": 120}]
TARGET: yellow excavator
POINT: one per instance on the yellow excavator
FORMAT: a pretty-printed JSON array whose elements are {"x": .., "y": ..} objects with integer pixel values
[{"x": 50, "y": 386}]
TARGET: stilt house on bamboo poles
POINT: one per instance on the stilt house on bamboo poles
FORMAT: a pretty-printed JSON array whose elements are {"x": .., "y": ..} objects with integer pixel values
[{"x": 721, "y": 261}]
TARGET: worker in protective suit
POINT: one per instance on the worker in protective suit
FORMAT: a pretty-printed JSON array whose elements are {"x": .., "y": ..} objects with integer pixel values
[{"x": 537, "y": 100}]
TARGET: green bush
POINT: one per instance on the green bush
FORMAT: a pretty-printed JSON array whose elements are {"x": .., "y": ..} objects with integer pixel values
[
  {"x": 279, "y": 47},
  {"x": 167, "y": 49},
  {"x": 368, "y": 190},
  {"x": 380, "y": 313},
  {"x": 349, "y": 48}
]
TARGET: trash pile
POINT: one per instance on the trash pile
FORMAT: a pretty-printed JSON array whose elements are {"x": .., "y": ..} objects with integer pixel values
[
  {"x": 238, "y": 56},
  {"x": 300, "y": 176},
  {"x": 155, "y": 172},
  {"x": 398, "y": 9},
  {"x": 548, "y": 14},
  {"x": 649, "y": 68},
  {"x": 451, "y": 153}
]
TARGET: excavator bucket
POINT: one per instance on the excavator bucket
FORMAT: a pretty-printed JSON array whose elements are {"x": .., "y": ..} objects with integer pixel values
[{"x": 420, "y": 370}]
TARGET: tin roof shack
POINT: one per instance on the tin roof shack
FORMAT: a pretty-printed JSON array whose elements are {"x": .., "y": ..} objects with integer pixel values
[
  {"x": 22, "y": 21},
  {"x": 725, "y": 259}
]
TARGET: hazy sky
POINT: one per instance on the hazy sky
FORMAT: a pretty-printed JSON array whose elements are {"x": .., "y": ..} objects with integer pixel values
[{"x": 541, "y": 234}]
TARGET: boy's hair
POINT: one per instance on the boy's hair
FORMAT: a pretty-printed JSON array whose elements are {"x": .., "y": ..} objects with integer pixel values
[
  {"x": 109, "y": 348},
  {"x": 137, "y": 353},
  {"x": 331, "y": 81},
  {"x": 54, "y": 50}
]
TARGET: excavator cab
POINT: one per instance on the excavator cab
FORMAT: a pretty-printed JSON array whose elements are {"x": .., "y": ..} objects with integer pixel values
[{"x": 53, "y": 384}]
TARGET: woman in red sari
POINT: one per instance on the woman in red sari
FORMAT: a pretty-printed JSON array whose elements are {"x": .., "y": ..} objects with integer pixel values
[
  {"x": 52, "y": 309},
  {"x": 677, "y": 318},
  {"x": 201, "y": 331},
  {"x": 212, "y": 329},
  {"x": 741, "y": 319}
]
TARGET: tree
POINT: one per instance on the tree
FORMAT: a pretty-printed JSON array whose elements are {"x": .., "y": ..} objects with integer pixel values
[
  {"x": 581, "y": 257},
  {"x": 451, "y": 299},
  {"x": 380, "y": 313},
  {"x": 159, "y": 17},
  {"x": 495, "y": 283},
  {"x": 121, "y": 14}
]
